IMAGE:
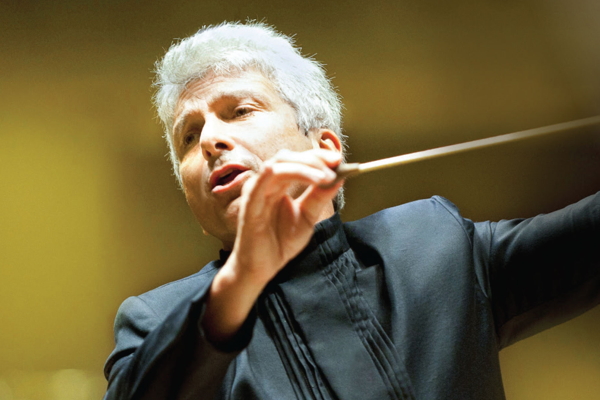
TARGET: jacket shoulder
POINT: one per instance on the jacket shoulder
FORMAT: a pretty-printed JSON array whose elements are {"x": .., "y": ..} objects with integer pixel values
[
  {"x": 417, "y": 216},
  {"x": 165, "y": 297}
]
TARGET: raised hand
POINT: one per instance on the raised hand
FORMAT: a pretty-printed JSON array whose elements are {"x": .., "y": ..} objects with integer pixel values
[{"x": 279, "y": 208}]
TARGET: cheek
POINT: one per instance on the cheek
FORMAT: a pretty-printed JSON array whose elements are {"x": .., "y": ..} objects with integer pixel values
[
  {"x": 290, "y": 138},
  {"x": 191, "y": 176},
  {"x": 196, "y": 198},
  {"x": 296, "y": 141}
]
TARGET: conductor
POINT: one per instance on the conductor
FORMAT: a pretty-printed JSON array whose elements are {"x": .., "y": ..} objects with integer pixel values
[{"x": 412, "y": 302}]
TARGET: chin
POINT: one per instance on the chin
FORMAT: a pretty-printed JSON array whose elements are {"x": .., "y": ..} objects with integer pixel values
[{"x": 229, "y": 222}]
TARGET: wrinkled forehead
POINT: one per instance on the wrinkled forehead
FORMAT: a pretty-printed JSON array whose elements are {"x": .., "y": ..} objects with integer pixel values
[
  {"x": 202, "y": 95},
  {"x": 240, "y": 82},
  {"x": 211, "y": 86},
  {"x": 249, "y": 80}
]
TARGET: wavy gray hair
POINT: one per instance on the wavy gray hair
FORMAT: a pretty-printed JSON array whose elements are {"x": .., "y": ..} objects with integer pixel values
[{"x": 232, "y": 47}]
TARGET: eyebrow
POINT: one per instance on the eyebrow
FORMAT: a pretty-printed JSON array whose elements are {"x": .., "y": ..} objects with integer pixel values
[
  {"x": 181, "y": 122},
  {"x": 183, "y": 119}
]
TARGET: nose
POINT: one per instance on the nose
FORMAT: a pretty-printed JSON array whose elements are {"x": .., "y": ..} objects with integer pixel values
[{"x": 215, "y": 139}]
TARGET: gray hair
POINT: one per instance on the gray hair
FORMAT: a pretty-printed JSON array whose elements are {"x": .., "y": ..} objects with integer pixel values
[{"x": 232, "y": 47}]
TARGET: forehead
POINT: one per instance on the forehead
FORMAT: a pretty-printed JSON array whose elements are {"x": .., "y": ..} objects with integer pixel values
[{"x": 212, "y": 87}]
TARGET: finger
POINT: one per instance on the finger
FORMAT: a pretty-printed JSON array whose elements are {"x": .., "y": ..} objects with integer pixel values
[
  {"x": 331, "y": 158},
  {"x": 301, "y": 173},
  {"x": 273, "y": 182},
  {"x": 277, "y": 176},
  {"x": 312, "y": 167},
  {"x": 315, "y": 198},
  {"x": 318, "y": 158}
]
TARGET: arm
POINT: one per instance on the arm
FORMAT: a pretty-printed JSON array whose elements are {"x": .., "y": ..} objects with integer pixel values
[
  {"x": 155, "y": 356},
  {"x": 543, "y": 270},
  {"x": 187, "y": 354}
]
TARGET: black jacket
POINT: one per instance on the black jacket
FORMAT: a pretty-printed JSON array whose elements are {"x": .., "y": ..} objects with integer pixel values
[{"x": 413, "y": 302}]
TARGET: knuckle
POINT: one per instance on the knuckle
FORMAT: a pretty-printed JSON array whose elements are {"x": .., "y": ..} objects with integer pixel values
[
  {"x": 268, "y": 167},
  {"x": 282, "y": 154}
]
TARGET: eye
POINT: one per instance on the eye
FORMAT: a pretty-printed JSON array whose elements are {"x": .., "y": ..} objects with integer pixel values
[
  {"x": 190, "y": 138},
  {"x": 241, "y": 111}
]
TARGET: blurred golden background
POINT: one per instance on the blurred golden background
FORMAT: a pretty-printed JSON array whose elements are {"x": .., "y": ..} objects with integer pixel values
[{"x": 90, "y": 213}]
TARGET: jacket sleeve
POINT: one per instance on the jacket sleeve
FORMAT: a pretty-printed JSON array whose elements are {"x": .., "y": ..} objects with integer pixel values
[
  {"x": 168, "y": 358},
  {"x": 543, "y": 270}
]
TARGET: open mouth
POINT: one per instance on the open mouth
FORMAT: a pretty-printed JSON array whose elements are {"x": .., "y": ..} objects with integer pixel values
[
  {"x": 228, "y": 177},
  {"x": 223, "y": 177}
]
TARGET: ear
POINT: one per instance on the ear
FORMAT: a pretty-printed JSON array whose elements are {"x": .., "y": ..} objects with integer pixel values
[{"x": 327, "y": 139}]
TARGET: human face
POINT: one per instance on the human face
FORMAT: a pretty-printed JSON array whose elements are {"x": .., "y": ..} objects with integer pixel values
[{"x": 225, "y": 127}]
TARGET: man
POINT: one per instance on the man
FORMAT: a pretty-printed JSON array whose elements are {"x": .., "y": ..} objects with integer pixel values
[{"x": 413, "y": 302}]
